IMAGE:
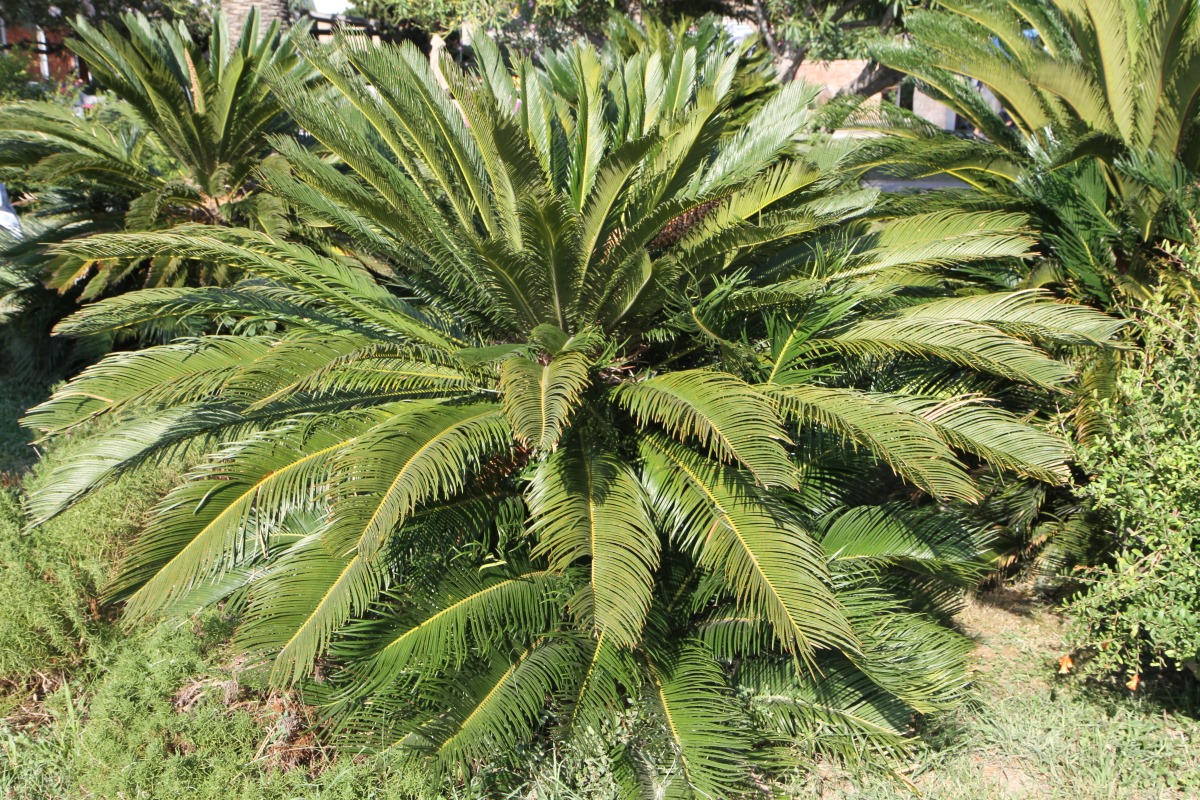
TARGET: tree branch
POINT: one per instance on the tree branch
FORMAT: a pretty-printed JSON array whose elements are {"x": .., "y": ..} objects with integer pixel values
[{"x": 873, "y": 79}]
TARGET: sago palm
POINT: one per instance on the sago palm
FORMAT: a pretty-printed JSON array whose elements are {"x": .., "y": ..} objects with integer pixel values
[
  {"x": 189, "y": 127},
  {"x": 1096, "y": 126},
  {"x": 608, "y": 420}
]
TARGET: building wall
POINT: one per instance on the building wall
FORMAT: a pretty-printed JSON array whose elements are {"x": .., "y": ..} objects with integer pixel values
[
  {"x": 268, "y": 12},
  {"x": 47, "y": 59},
  {"x": 836, "y": 75},
  {"x": 833, "y": 75}
]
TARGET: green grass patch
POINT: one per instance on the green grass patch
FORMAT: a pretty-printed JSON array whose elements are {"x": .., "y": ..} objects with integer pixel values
[
  {"x": 163, "y": 720},
  {"x": 1033, "y": 734}
]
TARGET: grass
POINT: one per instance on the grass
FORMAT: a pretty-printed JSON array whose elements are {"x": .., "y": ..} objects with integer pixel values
[
  {"x": 92, "y": 712},
  {"x": 15, "y": 453},
  {"x": 1035, "y": 735}
]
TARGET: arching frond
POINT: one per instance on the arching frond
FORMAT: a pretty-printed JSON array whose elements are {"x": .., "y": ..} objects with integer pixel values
[
  {"x": 587, "y": 508},
  {"x": 969, "y": 344},
  {"x": 767, "y": 561},
  {"x": 730, "y": 418},
  {"x": 466, "y": 610},
  {"x": 891, "y": 535},
  {"x": 701, "y": 719},
  {"x": 887, "y": 429},
  {"x": 501, "y": 706},
  {"x": 421, "y": 453},
  {"x": 232, "y": 501}
]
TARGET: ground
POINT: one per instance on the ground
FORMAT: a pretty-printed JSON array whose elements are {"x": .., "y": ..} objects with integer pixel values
[{"x": 1035, "y": 735}]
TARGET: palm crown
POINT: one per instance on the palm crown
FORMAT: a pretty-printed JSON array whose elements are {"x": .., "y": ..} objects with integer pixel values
[
  {"x": 1095, "y": 127},
  {"x": 182, "y": 144},
  {"x": 586, "y": 410}
]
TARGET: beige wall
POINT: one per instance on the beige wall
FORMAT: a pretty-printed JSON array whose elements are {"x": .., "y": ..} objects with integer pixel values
[
  {"x": 833, "y": 75},
  {"x": 268, "y": 12}
]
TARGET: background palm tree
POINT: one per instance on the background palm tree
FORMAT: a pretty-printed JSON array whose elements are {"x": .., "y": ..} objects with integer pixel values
[
  {"x": 190, "y": 126},
  {"x": 1094, "y": 129},
  {"x": 606, "y": 419}
]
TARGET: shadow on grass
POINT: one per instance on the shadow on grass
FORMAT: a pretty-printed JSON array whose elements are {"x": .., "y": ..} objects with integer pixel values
[
  {"x": 1013, "y": 601},
  {"x": 16, "y": 396},
  {"x": 1171, "y": 692}
]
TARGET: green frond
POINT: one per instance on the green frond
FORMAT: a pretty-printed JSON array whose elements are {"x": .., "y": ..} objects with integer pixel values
[
  {"x": 300, "y": 601},
  {"x": 120, "y": 448},
  {"x": 841, "y": 713},
  {"x": 333, "y": 282},
  {"x": 468, "y": 610},
  {"x": 540, "y": 398},
  {"x": 420, "y": 453},
  {"x": 887, "y": 429},
  {"x": 609, "y": 675},
  {"x": 969, "y": 344},
  {"x": 892, "y": 535},
  {"x": 490, "y": 712},
  {"x": 941, "y": 240},
  {"x": 587, "y": 508},
  {"x": 734, "y": 421},
  {"x": 701, "y": 721},
  {"x": 1029, "y": 313},
  {"x": 766, "y": 560},
  {"x": 232, "y": 502},
  {"x": 996, "y": 436},
  {"x": 915, "y": 659},
  {"x": 127, "y": 383}
]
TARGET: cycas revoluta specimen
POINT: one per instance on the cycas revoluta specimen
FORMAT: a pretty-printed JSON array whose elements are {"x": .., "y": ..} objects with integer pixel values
[
  {"x": 182, "y": 143},
  {"x": 1096, "y": 132},
  {"x": 606, "y": 406}
]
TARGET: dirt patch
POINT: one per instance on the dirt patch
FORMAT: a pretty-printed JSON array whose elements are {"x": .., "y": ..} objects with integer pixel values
[
  {"x": 1009, "y": 780},
  {"x": 291, "y": 741},
  {"x": 29, "y": 712},
  {"x": 1009, "y": 626}
]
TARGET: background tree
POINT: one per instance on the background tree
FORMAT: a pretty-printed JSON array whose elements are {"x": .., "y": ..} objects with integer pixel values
[
  {"x": 797, "y": 30},
  {"x": 791, "y": 32},
  {"x": 1093, "y": 129},
  {"x": 195, "y": 14}
]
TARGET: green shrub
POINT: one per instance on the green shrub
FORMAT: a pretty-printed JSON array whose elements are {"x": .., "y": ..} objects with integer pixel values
[
  {"x": 1142, "y": 610},
  {"x": 16, "y": 81},
  {"x": 58, "y": 569}
]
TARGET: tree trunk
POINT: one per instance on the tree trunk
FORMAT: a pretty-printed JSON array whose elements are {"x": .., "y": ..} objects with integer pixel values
[{"x": 874, "y": 79}]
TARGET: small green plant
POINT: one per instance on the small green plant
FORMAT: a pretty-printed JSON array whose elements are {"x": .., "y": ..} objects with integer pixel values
[
  {"x": 1142, "y": 610},
  {"x": 16, "y": 81}
]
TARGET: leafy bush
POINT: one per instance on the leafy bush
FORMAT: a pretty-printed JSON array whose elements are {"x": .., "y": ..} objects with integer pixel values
[
  {"x": 58, "y": 569},
  {"x": 1143, "y": 609},
  {"x": 16, "y": 81}
]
